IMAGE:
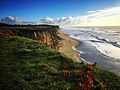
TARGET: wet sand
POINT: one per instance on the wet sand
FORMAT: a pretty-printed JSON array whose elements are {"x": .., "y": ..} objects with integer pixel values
[
  {"x": 90, "y": 53},
  {"x": 66, "y": 47}
]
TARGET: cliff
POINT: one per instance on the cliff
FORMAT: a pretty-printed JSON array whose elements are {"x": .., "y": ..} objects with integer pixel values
[
  {"x": 43, "y": 34},
  {"x": 27, "y": 65}
]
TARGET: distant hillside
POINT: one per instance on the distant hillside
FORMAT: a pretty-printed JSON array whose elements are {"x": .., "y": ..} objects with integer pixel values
[
  {"x": 26, "y": 65},
  {"x": 28, "y": 25},
  {"x": 4, "y": 25}
]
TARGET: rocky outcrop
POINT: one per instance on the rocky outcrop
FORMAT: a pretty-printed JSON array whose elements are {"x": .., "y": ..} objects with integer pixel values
[{"x": 47, "y": 35}]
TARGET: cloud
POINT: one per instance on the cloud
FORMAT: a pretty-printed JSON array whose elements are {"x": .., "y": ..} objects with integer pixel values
[
  {"x": 15, "y": 20},
  {"x": 108, "y": 17},
  {"x": 11, "y": 20},
  {"x": 47, "y": 20},
  {"x": 105, "y": 17},
  {"x": 58, "y": 21},
  {"x": 91, "y": 11},
  {"x": 105, "y": 12}
]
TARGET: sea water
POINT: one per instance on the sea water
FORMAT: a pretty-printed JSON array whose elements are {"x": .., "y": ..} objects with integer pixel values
[{"x": 98, "y": 44}]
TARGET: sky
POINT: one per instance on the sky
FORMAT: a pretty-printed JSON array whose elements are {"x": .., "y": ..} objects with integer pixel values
[{"x": 78, "y": 12}]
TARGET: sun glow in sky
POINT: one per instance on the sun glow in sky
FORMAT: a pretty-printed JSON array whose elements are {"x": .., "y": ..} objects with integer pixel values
[
  {"x": 105, "y": 17},
  {"x": 63, "y": 12}
]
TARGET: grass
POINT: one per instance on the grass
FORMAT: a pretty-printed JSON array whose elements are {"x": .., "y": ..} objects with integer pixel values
[{"x": 25, "y": 65}]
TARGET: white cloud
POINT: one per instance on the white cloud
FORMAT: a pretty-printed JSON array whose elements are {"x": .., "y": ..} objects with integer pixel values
[
  {"x": 60, "y": 20},
  {"x": 15, "y": 20},
  {"x": 91, "y": 11},
  {"x": 105, "y": 17},
  {"x": 47, "y": 20},
  {"x": 11, "y": 20},
  {"x": 105, "y": 12}
]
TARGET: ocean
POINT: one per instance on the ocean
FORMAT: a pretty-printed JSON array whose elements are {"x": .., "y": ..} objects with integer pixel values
[{"x": 98, "y": 44}]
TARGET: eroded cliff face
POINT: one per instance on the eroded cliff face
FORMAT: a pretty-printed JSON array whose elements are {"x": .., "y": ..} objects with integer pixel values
[
  {"x": 6, "y": 33},
  {"x": 42, "y": 36}
]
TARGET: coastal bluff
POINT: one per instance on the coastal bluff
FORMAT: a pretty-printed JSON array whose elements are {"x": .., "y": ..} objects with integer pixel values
[
  {"x": 43, "y": 34},
  {"x": 26, "y": 64}
]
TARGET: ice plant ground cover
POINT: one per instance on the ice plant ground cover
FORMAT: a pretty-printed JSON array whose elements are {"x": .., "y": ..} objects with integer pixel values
[{"x": 24, "y": 64}]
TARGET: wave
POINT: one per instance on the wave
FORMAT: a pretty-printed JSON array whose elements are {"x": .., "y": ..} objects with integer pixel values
[
  {"x": 116, "y": 44},
  {"x": 81, "y": 52},
  {"x": 107, "y": 49},
  {"x": 98, "y": 39}
]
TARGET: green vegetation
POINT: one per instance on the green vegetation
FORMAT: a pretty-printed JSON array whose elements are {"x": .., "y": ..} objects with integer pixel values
[
  {"x": 25, "y": 65},
  {"x": 44, "y": 34}
]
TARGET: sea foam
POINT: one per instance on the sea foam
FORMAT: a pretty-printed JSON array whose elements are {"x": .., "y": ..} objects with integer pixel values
[{"x": 97, "y": 38}]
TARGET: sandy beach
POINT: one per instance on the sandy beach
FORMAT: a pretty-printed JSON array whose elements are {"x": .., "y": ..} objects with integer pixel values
[{"x": 66, "y": 45}]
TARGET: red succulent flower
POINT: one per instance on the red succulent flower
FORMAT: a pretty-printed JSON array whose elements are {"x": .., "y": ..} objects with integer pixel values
[
  {"x": 66, "y": 73},
  {"x": 89, "y": 66},
  {"x": 44, "y": 65},
  {"x": 79, "y": 73}
]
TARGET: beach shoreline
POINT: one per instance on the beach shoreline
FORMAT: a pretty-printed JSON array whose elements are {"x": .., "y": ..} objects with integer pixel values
[{"x": 67, "y": 46}]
